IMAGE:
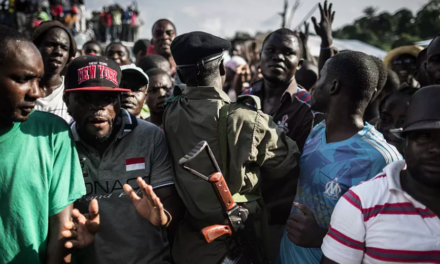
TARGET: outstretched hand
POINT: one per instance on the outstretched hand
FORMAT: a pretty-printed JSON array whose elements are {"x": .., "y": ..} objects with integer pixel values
[
  {"x": 304, "y": 36},
  {"x": 324, "y": 28},
  {"x": 303, "y": 229},
  {"x": 149, "y": 206},
  {"x": 81, "y": 231}
]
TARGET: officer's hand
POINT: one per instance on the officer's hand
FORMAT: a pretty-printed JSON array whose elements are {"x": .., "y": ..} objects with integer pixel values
[
  {"x": 303, "y": 230},
  {"x": 324, "y": 28},
  {"x": 149, "y": 206},
  {"x": 81, "y": 231}
]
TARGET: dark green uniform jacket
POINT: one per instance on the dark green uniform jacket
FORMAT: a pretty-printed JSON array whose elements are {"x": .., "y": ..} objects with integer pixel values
[{"x": 255, "y": 145}]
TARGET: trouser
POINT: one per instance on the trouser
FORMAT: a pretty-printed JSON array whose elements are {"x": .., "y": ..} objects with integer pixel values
[
  {"x": 116, "y": 32},
  {"x": 126, "y": 32},
  {"x": 80, "y": 24},
  {"x": 102, "y": 35},
  {"x": 134, "y": 35},
  {"x": 21, "y": 21},
  {"x": 107, "y": 33}
]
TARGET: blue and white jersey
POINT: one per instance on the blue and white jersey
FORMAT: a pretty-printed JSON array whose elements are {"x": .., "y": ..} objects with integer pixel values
[{"x": 328, "y": 170}]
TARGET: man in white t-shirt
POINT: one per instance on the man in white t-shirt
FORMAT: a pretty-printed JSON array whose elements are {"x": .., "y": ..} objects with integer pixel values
[
  {"x": 57, "y": 47},
  {"x": 394, "y": 217}
]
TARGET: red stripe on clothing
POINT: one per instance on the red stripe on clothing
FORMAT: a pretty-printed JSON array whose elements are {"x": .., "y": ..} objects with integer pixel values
[
  {"x": 308, "y": 98},
  {"x": 379, "y": 176},
  {"x": 135, "y": 161},
  {"x": 406, "y": 209},
  {"x": 403, "y": 256},
  {"x": 300, "y": 94},
  {"x": 356, "y": 203},
  {"x": 246, "y": 92},
  {"x": 345, "y": 240}
]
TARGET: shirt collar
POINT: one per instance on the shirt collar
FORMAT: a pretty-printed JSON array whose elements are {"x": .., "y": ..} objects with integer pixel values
[
  {"x": 393, "y": 176},
  {"x": 291, "y": 90},
  {"x": 204, "y": 92},
  {"x": 129, "y": 122}
]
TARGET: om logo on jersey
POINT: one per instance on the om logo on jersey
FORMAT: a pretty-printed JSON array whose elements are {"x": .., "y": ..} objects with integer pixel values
[{"x": 332, "y": 190}]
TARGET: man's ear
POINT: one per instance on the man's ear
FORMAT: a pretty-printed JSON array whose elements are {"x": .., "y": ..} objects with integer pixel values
[
  {"x": 335, "y": 87},
  {"x": 374, "y": 95},
  {"x": 222, "y": 68},
  {"x": 300, "y": 63}
]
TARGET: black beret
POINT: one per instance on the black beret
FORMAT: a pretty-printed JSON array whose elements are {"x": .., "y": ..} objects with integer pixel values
[{"x": 195, "y": 47}]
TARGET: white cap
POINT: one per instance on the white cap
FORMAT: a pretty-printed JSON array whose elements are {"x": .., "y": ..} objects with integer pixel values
[
  {"x": 132, "y": 68},
  {"x": 235, "y": 62}
]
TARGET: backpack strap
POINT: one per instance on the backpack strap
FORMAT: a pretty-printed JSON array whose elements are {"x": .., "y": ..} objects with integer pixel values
[
  {"x": 224, "y": 150},
  {"x": 223, "y": 137}
]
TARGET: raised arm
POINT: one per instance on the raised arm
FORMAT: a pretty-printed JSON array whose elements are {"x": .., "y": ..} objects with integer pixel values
[{"x": 324, "y": 30}]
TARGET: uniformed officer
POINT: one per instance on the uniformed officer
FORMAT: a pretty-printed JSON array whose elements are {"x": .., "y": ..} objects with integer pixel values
[{"x": 244, "y": 140}]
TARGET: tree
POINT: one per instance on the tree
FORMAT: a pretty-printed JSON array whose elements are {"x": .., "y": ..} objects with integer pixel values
[
  {"x": 385, "y": 30},
  {"x": 428, "y": 20},
  {"x": 370, "y": 11}
]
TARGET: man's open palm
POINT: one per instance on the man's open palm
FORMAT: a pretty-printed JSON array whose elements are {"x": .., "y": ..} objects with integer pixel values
[
  {"x": 149, "y": 206},
  {"x": 81, "y": 231}
]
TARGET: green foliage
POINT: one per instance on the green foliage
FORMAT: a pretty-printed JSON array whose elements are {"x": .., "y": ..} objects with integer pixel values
[{"x": 386, "y": 31}]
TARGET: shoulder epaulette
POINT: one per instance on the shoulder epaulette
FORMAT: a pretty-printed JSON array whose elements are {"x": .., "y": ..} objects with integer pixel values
[{"x": 250, "y": 100}]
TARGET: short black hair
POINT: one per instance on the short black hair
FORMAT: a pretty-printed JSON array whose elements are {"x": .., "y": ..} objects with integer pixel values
[
  {"x": 202, "y": 75},
  {"x": 421, "y": 57},
  {"x": 162, "y": 20},
  {"x": 151, "y": 61},
  {"x": 117, "y": 43},
  {"x": 286, "y": 32},
  {"x": 156, "y": 71},
  {"x": 393, "y": 82},
  {"x": 383, "y": 74},
  {"x": 94, "y": 42},
  {"x": 432, "y": 41},
  {"x": 357, "y": 75},
  {"x": 139, "y": 45},
  {"x": 404, "y": 90},
  {"x": 9, "y": 34}
]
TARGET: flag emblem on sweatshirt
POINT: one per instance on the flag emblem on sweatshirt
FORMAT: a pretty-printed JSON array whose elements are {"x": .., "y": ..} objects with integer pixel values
[{"x": 135, "y": 164}]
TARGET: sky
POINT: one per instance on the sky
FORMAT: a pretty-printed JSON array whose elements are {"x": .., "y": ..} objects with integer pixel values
[{"x": 224, "y": 17}]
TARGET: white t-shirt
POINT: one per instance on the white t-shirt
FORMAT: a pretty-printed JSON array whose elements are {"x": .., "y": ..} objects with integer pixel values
[
  {"x": 378, "y": 222},
  {"x": 54, "y": 104}
]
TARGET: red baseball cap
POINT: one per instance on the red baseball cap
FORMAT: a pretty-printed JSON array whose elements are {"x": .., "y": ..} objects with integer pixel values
[{"x": 93, "y": 73}]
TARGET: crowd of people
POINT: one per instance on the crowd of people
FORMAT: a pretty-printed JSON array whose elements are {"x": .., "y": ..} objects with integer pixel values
[
  {"x": 113, "y": 23},
  {"x": 316, "y": 153},
  {"x": 26, "y": 15}
]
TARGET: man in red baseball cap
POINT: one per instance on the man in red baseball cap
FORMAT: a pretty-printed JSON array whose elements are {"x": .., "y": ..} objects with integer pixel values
[{"x": 119, "y": 152}]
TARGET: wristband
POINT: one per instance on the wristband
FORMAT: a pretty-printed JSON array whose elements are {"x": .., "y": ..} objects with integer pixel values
[
  {"x": 170, "y": 218},
  {"x": 327, "y": 48}
]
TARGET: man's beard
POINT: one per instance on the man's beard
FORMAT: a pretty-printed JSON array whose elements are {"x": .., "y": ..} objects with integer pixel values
[{"x": 104, "y": 138}]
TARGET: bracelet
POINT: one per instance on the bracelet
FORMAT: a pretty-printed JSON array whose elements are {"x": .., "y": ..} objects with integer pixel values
[
  {"x": 327, "y": 48},
  {"x": 170, "y": 218}
]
